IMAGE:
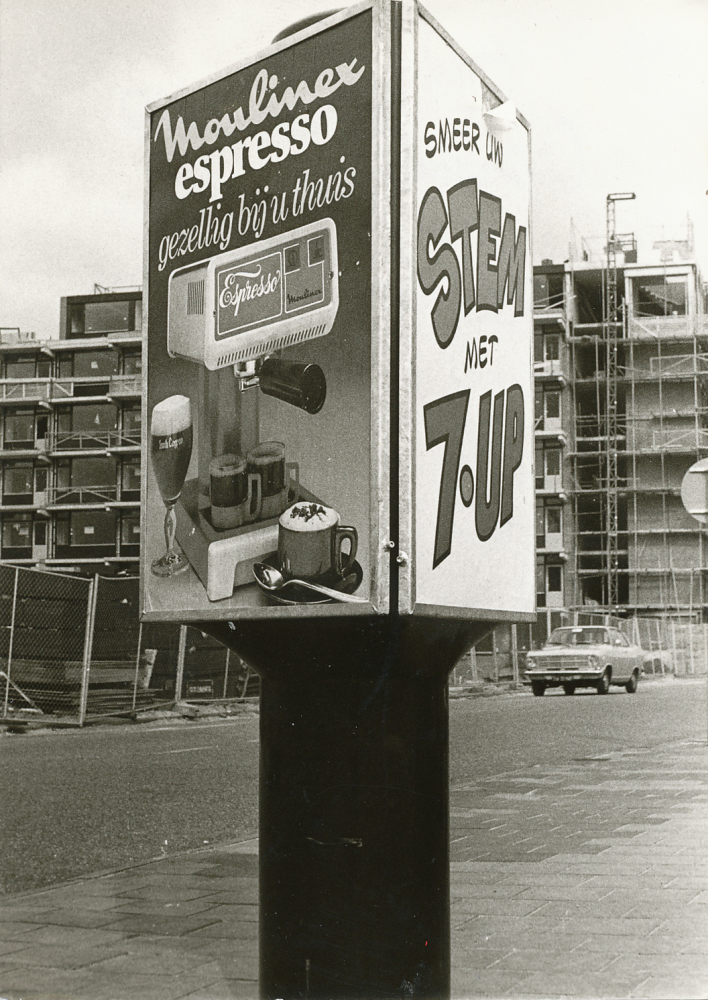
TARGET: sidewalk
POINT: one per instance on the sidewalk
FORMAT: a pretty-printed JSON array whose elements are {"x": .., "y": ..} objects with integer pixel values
[{"x": 584, "y": 880}]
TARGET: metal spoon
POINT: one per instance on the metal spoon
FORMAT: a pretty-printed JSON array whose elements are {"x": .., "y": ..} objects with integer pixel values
[{"x": 272, "y": 579}]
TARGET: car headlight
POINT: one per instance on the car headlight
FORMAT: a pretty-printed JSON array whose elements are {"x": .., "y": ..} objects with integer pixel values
[
  {"x": 530, "y": 663},
  {"x": 593, "y": 661}
]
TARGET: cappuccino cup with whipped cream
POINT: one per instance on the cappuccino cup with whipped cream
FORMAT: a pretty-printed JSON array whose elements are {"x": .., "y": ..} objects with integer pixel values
[{"x": 310, "y": 540}]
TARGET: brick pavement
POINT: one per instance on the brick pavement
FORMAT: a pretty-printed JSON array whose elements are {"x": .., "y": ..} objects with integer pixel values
[{"x": 585, "y": 880}]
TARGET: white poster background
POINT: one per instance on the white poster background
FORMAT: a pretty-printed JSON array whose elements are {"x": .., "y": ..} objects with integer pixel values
[{"x": 496, "y": 574}]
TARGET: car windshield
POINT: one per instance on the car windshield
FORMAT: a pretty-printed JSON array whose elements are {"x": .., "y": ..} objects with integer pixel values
[{"x": 577, "y": 637}]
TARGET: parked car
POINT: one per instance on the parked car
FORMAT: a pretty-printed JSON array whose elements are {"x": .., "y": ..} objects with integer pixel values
[{"x": 585, "y": 656}]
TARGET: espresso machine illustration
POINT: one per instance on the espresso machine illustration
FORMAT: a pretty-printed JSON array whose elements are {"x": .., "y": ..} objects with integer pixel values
[{"x": 235, "y": 315}]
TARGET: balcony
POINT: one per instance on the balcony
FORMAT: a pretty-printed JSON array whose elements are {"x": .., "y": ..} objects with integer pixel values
[
  {"x": 678, "y": 435},
  {"x": 103, "y": 442},
  {"x": 676, "y": 366},
  {"x": 31, "y": 390},
  {"x": 674, "y": 328},
  {"x": 549, "y": 370},
  {"x": 25, "y": 449},
  {"x": 687, "y": 440},
  {"x": 53, "y": 390},
  {"x": 88, "y": 497},
  {"x": 125, "y": 386},
  {"x": 550, "y": 429},
  {"x": 547, "y": 308}
]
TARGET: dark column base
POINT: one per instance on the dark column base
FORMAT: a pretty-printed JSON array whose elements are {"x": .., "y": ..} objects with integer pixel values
[{"x": 354, "y": 829}]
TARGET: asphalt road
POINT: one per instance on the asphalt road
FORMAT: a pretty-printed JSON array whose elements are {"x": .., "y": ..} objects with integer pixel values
[
  {"x": 78, "y": 802},
  {"x": 493, "y": 735}
]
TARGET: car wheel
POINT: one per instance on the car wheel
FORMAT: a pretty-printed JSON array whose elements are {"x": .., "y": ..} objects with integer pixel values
[
  {"x": 569, "y": 688},
  {"x": 538, "y": 687},
  {"x": 604, "y": 684},
  {"x": 631, "y": 685}
]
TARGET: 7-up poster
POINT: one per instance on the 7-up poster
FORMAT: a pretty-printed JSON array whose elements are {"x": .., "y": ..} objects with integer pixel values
[{"x": 471, "y": 399}]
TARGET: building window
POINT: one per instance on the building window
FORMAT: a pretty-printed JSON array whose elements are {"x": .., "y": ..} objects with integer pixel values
[
  {"x": 660, "y": 295},
  {"x": 19, "y": 429},
  {"x": 86, "y": 480},
  {"x": 94, "y": 471},
  {"x": 548, "y": 291},
  {"x": 552, "y": 401},
  {"x": 40, "y": 532},
  {"x": 553, "y": 461},
  {"x": 93, "y": 530},
  {"x": 549, "y": 584},
  {"x": 17, "y": 536},
  {"x": 130, "y": 479},
  {"x": 40, "y": 478},
  {"x": 17, "y": 483},
  {"x": 546, "y": 346},
  {"x": 98, "y": 364},
  {"x": 551, "y": 343},
  {"x": 132, "y": 424},
  {"x": 540, "y": 465},
  {"x": 548, "y": 468},
  {"x": 549, "y": 521},
  {"x": 87, "y": 319},
  {"x": 553, "y": 520},
  {"x": 540, "y": 527},
  {"x": 130, "y": 535},
  {"x": 548, "y": 407},
  {"x": 92, "y": 527},
  {"x": 20, "y": 366},
  {"x": 132, "y": 363},
  {"x": 92, "y": 425},
  {"x": 540, "y": 583}
]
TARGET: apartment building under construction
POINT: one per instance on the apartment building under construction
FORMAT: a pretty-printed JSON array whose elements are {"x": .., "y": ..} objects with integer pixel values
[{"x": 621, "y": 363}]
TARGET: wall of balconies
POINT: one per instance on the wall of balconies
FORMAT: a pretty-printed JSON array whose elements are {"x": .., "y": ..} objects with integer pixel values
[{"x": 70, "y": 429}]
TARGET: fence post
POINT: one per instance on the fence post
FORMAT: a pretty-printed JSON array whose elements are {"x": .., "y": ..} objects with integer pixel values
[
  {"x": 226, "y": 672},
  {"x": 137, "y": 665},
  {"x": 245, "y": 682},
  {"x": 179, "y": 679},
  {"x": 514, "y": 655},
  {"x": 12, "y": 640},
  {"x": 88, "y": 647},
  {"x": 673, "y": 644}
]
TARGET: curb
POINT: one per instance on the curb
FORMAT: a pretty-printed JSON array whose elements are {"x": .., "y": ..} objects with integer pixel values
[{"x": 181, "y": 712}]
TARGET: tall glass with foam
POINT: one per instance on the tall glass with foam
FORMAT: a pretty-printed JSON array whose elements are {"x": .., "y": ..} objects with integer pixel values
[{"x": 171, "y": 449}]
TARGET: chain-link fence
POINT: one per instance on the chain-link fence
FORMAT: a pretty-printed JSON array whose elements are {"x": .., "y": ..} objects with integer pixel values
[
  {"x": 45, "y": 629},
  {"x": 75, "y": 649},
  {"x": 671, "y": 645}
]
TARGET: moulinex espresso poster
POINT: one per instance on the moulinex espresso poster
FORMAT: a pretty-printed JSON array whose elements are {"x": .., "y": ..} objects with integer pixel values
[{"x": 258, "y": 410}]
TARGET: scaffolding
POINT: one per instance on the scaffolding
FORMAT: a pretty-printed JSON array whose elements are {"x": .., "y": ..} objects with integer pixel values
[{"x": 638, "y": 392}]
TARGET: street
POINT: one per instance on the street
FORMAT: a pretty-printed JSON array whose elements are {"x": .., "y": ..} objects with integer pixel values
[{"x": 78, "y": 802}]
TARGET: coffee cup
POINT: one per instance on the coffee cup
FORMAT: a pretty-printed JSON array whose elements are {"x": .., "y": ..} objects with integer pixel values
[
  {"x": 234, "y": 492},
  {"x": 279, "y": 480},
  {"x": 310, "y": 541}
]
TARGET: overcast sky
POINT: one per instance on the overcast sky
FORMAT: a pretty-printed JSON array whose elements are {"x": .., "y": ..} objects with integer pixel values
[{"x": 615, "y": 91}]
